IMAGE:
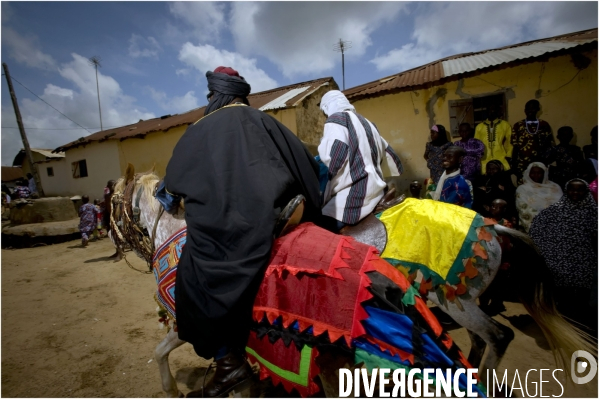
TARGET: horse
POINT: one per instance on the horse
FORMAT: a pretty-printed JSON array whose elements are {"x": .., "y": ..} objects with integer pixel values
[{"x": 562, "y": 337}]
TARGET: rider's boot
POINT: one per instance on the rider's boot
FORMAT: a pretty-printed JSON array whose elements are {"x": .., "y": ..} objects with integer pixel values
[{"x": 232, "y": 373}]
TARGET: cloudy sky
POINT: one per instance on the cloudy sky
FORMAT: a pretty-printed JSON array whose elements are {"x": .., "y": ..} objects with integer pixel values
[{"x": 154, "y": 55}]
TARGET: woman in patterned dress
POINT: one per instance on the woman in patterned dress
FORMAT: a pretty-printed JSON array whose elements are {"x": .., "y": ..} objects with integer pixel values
[
  {"x": 470, "y": 167},
  {"x": 88, "y": 219},
  {"x": 566, "y": 234}
]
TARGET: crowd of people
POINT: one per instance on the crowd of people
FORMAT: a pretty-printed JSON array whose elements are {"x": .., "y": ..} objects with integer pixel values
[{"x": 518, "y": 176}]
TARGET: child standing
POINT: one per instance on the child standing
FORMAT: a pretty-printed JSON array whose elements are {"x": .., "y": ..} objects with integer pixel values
[
  {"x": 87, "y": 219},
  {"x": 98, "y": 231},
  {"x": 453, "y": 188}
]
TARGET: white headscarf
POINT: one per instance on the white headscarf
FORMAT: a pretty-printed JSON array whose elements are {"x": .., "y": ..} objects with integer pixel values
[
  {"x": 532, "y": 198},
  {"x": 334, "y": 101}
]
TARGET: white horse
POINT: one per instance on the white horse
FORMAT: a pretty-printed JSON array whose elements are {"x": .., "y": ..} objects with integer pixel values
[{"x": 562, "y": 337}]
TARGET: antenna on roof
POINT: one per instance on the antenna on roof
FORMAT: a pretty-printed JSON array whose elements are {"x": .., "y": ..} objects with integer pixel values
[
  {"x": 95, "y": 62},
  {"x": 341, "y": 46}
]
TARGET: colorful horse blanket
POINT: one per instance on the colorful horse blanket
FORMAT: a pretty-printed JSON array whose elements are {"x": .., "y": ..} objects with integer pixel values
[
  {"x": 321, "y": 289},
  {"x": 437, "y": 246}
]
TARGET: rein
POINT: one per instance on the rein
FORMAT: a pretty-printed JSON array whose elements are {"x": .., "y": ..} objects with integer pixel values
[{"x": 124, "y": 222}]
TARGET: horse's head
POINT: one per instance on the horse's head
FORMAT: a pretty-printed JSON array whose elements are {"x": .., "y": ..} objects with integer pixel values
[{"x": 136, "y": 216}]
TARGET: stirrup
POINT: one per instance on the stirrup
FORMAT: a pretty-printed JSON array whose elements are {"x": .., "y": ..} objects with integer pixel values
[{"x": 290, "y": 216}]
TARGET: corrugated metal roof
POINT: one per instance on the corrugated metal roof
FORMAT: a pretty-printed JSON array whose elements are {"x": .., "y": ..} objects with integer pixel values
[
  {"x": 12, "y": 173},
  {"x": 281, "y": 102},
  {"x": 497, "y": 57},
  {"x": 290, "y": 94},
  {"x": 463, "y": 63},
  {"x": 48, "y": 153}
]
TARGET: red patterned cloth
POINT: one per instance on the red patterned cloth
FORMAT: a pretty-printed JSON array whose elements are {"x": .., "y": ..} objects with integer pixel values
[{"x": 290, "y": 289}]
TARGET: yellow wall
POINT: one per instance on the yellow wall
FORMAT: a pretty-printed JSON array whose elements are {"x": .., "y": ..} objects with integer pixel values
[
  {"x": 57, "y": 185},
  {"x": 102, "y": 165},
  {"x": 286, "y": 117},
  {"x": 155, "y": 149},
  {"x": 568, "y": 97},
  {"x": 37, "y": 157}
]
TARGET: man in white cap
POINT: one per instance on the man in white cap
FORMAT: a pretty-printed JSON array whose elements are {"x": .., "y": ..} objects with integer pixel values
[{"x": 356, "y": 156}]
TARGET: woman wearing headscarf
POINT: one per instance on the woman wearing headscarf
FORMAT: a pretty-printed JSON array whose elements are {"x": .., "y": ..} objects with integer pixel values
[
  {"x": 236, "y": 169},
  {"x": 566, "y": 235},
  {"x": 357, "y": 157},
  {"x": 535, "y": 194}
]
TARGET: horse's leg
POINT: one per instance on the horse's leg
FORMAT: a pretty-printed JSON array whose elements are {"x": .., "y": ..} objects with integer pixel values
[
  {"x": 495, "y": 335},
  {"x": 164, "y": 348},
  {"x": 477, "y": 349}
]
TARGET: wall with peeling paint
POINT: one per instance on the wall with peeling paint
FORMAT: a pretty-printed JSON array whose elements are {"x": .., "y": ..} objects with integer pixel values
[{"x": 566, "y": 87}]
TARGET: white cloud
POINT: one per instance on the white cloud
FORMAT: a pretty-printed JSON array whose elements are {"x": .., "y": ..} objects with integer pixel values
[
  {"x": 443, "y": 29},
  {"x": 298, "y": 37},
  {"x": 205, "y": 58},
  {"x": 7, "y": 12},
  {"x": 80, "y": 104},
  {"x": 176, "y": 104},
  {"x": 406, "y": 57},
  {"x": 205, "y": 19},
  {"x": 52, "y": 90},
  {"x": 24, "y": 50},
  {"x": 150, "y": 47}
]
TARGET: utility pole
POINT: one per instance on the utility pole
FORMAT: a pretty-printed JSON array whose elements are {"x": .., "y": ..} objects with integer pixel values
[
  {"x": 95, "y": 62},
  {"x": 341, "y": 47},
  {"x": 36, "y": 176}
]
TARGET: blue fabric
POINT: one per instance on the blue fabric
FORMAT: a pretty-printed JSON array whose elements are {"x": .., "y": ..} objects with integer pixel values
[
  {"x": 456, "y": 191},
  {"x": 222, "y": 352},
  {"x": 169, "y": 202},
  {"x": 433, "y": 353},
  {"x": 392, "y": 328}
]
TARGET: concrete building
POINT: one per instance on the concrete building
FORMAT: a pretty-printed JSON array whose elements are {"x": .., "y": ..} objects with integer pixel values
[
  {"x": 91, "y": 161},
  {"x": 561, "y": 72}
]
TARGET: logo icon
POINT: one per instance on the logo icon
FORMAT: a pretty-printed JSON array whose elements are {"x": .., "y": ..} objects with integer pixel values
[{"x": 581, "y": 366}]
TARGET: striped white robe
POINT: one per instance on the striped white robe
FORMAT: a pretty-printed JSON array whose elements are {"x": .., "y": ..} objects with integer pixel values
[{"x": 356, "y": 156}]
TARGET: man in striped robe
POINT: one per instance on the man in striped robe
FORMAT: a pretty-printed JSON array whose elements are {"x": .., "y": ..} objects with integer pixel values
[{"x": 356, "y": 156}]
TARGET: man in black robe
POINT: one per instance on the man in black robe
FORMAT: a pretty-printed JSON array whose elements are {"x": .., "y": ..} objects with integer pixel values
[{"x": 236, "y": 169}]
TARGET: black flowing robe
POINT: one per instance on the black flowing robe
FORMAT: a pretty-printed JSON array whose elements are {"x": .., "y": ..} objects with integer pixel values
[{"x": 236, "y": 169}]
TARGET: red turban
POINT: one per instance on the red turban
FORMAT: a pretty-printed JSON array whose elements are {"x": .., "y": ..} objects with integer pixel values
[{"x": 227, "y": 70}]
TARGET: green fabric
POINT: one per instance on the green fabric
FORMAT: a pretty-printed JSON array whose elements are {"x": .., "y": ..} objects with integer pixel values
[
  {"x": 408, "y": 297},
  {"x": 372, "y": 361},
  {"x": 304, "y": 368}
]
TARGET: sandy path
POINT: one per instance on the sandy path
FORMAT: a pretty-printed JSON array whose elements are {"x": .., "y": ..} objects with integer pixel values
[{"x": 76, "y": 324}]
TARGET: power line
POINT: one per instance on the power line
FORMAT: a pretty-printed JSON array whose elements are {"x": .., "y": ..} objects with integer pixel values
[{"x": 13, "y": 78}]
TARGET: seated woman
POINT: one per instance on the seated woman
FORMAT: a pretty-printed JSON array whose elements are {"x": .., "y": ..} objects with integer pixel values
[
  {"x": 566, "y": 234},
  {"x": 494, "y": 184},
  {"x": 536, "y": 194}
]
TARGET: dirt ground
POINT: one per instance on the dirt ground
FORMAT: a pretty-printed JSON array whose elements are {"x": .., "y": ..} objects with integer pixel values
[{"x": 76, "y": 324}]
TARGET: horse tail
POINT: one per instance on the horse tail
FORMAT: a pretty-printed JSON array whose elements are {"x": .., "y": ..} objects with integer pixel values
[{"x": 535, "y": 287}]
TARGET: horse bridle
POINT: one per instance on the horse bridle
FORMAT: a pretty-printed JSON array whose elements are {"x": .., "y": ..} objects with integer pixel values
[{"x": 124, "y": 221}]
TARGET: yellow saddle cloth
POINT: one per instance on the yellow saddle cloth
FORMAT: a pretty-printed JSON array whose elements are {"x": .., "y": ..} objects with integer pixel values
[{"x": 438, "y": 246}]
